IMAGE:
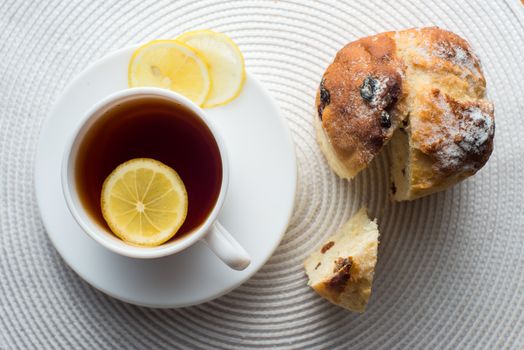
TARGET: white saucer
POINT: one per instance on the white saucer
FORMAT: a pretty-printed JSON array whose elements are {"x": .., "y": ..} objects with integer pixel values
[{"x": 256, "y": 211}]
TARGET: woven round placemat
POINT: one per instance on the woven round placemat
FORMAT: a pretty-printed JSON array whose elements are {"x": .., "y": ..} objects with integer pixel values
[{"x": 450, "y": 271}]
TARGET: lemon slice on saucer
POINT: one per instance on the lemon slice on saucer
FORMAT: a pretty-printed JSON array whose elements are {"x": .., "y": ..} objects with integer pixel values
[
  {"x": 144, "y": 202},
  {"x": 226, "y": 64},
  {"x": 171, "y": 65}
]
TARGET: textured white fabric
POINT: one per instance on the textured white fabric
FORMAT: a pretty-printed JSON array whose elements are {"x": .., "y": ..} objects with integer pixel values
[{"x": 450, "y": 271}]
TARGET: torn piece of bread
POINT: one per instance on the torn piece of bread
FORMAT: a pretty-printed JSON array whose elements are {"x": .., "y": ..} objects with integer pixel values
[
  {"x": 341, "y": 270},
  {"x": 426, "y": 83}
]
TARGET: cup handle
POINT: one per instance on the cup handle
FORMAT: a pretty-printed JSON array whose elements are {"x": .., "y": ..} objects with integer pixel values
[{"x": 226, "y": 248}]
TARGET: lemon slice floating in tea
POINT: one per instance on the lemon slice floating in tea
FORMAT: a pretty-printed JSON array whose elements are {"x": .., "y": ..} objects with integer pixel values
[
  {"x": 171, "y": 65},
  {"x": 144, "y": 202},
  {"x": 225, "y": 62}
]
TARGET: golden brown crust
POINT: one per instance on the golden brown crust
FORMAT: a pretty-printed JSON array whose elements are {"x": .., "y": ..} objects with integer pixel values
[
  {"x": 430, "y": 83},
  {"x": 441, "y": 51},
  {"x": 363, "y": 82}
]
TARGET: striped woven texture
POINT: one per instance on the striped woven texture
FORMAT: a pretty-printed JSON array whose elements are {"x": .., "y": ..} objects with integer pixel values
[{"x": 450, "y": 271}]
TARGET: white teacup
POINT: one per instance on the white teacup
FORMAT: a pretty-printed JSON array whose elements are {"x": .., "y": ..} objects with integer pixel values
[{"x": 211, "y": 231}]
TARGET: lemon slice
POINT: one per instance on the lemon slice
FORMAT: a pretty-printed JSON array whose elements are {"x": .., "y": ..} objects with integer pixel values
[
  {"x": 226, "y": 64},
  {"x": 144, "y": 202},
  {"x": 171, "y": 65}
]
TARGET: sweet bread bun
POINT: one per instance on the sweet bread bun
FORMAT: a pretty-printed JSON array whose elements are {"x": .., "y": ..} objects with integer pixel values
[
  {"x": 342, "y": 269},
  {"x": 421, "y": 88}
]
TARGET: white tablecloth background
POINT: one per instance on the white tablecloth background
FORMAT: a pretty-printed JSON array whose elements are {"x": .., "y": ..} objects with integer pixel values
[{"x": 450, "y": 272}]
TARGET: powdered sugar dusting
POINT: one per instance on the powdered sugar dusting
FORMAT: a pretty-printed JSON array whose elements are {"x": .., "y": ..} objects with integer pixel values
[
  {"x": 454, "y": 53},
  {"x": 457, "y": 55},
  {"x": 379, "y": 92},
  {"x": 461, "y": 137},
  {"x": 480, "y": 129}
]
